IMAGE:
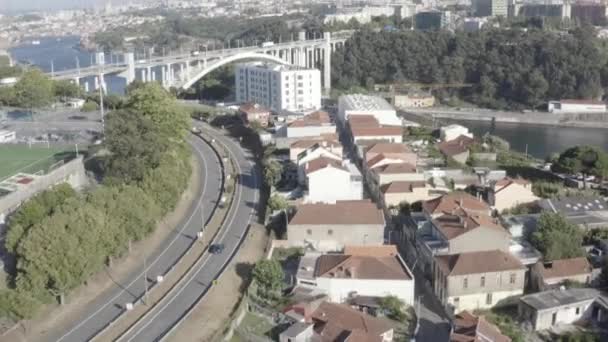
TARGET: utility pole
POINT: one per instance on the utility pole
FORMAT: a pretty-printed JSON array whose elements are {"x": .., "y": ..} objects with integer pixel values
[
  {"x": 145, "y": 282},
  {"x": 101, "y": 82},
  {"x": 77, "y": 64},
  {"x": 52, "y": 68}
]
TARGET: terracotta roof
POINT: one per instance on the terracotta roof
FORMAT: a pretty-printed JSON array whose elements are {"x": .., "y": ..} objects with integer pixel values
[
  {"x": 393, "y": 148},
  {"x": 252, "y": 108},
  {"x": 363, "y": 121},
  {"x": 379, "y": 157},
  {"x": 396, "y": 168},
  {"x": 507, "y": 181},
  {"x": 455, "y": 146},
  {"x": 587, "y": 102},
  {"x": 399, "y": 187},
  {"x": 375, "y": 251},
  {"x": 342, "y": 212},
  {"x": 321, "y": 163},
  {"x": 361, "y": 267},
  {"x": 318, "y": 118},
  {"x": 453, "y": 201},
  {"x": 376, "y": 131},
  {"x": 478, "y": 262},
  {"x": 471, "y": 328},
  {"x": 564, "y": 268},
  {"x": 452, "y": 226},
  {"x": 339, "y": 322}
]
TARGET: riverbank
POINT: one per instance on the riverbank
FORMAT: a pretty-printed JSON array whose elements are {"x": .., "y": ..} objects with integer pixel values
[{"x": 595, "y": 120}]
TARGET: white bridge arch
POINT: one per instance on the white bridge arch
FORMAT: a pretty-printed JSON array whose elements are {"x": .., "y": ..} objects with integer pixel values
[{"x": 197, "y": 75}]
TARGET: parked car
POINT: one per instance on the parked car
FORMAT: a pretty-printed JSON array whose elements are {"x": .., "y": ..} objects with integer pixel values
[{"x": 216, "y": 248}]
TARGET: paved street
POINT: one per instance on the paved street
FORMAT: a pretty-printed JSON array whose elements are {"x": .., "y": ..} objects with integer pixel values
[
  {"x": 167, "y": 314},
  {"x": 109, "y": 305}
]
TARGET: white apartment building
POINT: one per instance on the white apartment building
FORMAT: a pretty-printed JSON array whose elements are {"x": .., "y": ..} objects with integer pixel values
[{"x": 279, "y": 87}]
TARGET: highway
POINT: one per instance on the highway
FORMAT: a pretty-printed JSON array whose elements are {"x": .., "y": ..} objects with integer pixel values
[
  {"x": 167, "y": 314},
  {"x": 104, "y": 308}
]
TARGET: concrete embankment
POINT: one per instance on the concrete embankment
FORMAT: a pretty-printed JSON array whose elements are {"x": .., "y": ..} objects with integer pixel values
[{"x": 595, "y": 120}]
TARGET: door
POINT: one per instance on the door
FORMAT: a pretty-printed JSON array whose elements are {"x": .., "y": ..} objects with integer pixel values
[{"x": 554, "y": 318}]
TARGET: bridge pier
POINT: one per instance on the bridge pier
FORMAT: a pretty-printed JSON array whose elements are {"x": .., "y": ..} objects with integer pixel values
[
  {"x": 327, "y": 61},
  {"x": 181, "y": 71},
  {"x": 129, "y": 74},
  {"x": 86, "y": 87}
]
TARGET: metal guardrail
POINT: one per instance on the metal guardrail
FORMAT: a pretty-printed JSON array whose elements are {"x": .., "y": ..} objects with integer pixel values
[{"x": 138, "y": 300}]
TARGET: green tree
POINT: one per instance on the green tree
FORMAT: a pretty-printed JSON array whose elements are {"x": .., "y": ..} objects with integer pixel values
[
  {"x": 155, "y": 103},
  {"x": 135, "y": 144},
  {"x": 89, "y": 106},
  {"x": 268, "y": 275},
  {"x": 277, "y": 202},
  {"x": 66, "y": 89},
  {"x": 272, "y": 172},
  {"x": 393, "y": 307},
  {"x": 34, "y": 90},
  {"x": 557, "y": 238},
  {"x": 586, "y": 160}
]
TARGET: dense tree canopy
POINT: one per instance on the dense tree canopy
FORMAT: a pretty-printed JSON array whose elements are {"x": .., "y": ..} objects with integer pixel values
[
  {"x": 34, "y": 90},
  {"x": 587, "y": 160},
  {"x": 557, "y": 238},
  {"x": 504, "y": 68},
  {"x": 269, "y": 277}
]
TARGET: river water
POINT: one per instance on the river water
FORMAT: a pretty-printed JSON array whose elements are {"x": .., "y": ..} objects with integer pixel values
[
  {"x": 541, "y": 140},
  {"x": 60, "y": 54}
]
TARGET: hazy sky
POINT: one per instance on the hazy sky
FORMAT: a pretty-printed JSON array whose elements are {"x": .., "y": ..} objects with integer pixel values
[{"x": 7, "y": 6}]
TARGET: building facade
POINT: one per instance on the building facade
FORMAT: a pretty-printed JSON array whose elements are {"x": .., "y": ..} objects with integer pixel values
[{"x": 279, "y": 87}]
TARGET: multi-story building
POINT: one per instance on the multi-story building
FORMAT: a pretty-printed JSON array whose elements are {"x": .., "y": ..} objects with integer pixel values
[
  {"x": 490, "y": 8},
  {"x": 365, "y": 105},
  {"x": 478, "y": 280},
  {"x": 279, "y": 87}
]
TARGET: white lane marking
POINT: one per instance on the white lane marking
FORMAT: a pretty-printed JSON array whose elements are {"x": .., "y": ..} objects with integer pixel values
[
  {"x": 185, "y": 285},
  {"x": 110, "y": 302}
]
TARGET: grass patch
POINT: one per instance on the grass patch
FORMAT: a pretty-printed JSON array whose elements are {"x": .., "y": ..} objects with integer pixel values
[
  {"x": 287, "y": 253},
  {"x": 256, "y": 325},
  {"x": 504, "y": 319},
  {"x": 29, "y": 160}
]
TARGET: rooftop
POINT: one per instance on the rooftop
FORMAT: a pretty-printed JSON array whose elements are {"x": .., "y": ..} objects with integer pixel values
[
  {"x": 364, "y": 102},
  {"x": 450, "y": 203},
  {"x": 396, "y": 168},
  {"x": 374, "y": 251},
  {"x": 387, "y": 148},
  {"x": 456, "y": 146},
  {"x": 574, "y": 204},
  {"x": 323, "y": 140},
  {"x": 253, "y": 108},
  {"x": 564, "y": 268},
  {"x": 585, "y": 102},
  {"x": 361, "y": 267},
  {"x": 339, "y": 322},
  {"x": 322, "y": 163},
  {"x": 478, "y": 262},
  {"x": 340, "y": 213},
  {"x": 452, "y": 226},
  {"x": 318, "y": 118},
  {"x": 376, "y": 131},
  {"x": 556, "y": 298},
  {"x": 471, "y": 328},
  {"x": 400, "y": 187}
]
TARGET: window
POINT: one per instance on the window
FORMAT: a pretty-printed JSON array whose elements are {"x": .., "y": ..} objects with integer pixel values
[
  {"x": 330, "y": 232},
  {"x": 465, "y": 283},
  {"x": 300, "y": 77},
  {"x": 489, "y": 299},
  {"x": 309, "y": 232},
  {"x": 578, "y": 311},
  {"x": 512, "y": 278},
  {"x": 456, "y": 302},
  {"x": 483, "y": 281}
]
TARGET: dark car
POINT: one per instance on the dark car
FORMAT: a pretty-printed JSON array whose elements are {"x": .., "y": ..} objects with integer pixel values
[{"x": 216, "y": 248}]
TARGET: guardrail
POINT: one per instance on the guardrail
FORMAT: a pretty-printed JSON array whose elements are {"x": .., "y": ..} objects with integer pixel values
[
  {"x": 221, "y": 272},
  {"x": 138, "y": 300}
]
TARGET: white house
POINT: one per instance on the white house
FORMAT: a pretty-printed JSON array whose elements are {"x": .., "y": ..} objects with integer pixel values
[
  {"x": 329, "y": 227},
  {"x": 278, "y": 87},
  {"x": 327, "y": 141},
  {"x": 7, "y": 136},
  {"x": 330, "y": 181},
  {"x": 544, "y": 310},
  {"x": 311, "y": 154},
  {"x": 576, "y": 106},
  {"x": 510, "y": 192},
  {"x": 451, "y": 132},
  {"x": 357, "y": 104},
  {"x": 374, "y": 271}
]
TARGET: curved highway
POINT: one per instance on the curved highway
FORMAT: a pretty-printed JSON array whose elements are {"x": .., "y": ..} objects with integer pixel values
[
  {"x": 167, "y": 314},
  {"x": 106, "y": 307}
]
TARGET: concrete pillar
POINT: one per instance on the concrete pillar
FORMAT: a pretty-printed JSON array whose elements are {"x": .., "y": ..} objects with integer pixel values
[
  {"x": 96, "y": 82},
  {"x": 100, "y": 58},
  {"x": 302, "y": 35},
  {"x": 187, "y": 70},
  {"x": 302, "y": 57},
  {"x": 143, "y": 75},
  {"x": 181, "y": 71},
  {"x": 86, "y": 87},
  {"x": 150, "y": 73},
  {"x": 129, "y": 58},
  {"x": 327, "y": 61},
  {"x": 198, "y": 64},
  {"x": 76, "y": 81}
]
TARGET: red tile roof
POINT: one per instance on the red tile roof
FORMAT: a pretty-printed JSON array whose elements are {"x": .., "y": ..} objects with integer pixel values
[
  {"x": 400, "y": 187},
  {"x": 376, "y": 131},
  {"x": 375, "y": 251},
  {"x": 564, "y": 268},
  {"x": 392, "y": 148},
  {"x": 397, "y": 168},
  {"x": 318, "y": 118},
  {"x": 339, "y": 322},
  {"x": 340, "y": 213},
  {"x": 452, "y": 226},
  {"x": 478, "y": 262},
  {"x": 321, "y": 163},
  {"x": 455, "y": 146},
  {"x": 361, "y": 267},
  {"x": 453, "y": 201},
  {"x": 471, "y": 328}
]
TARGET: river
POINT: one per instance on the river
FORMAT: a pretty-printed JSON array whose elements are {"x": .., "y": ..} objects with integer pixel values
[
  {"x": 59, "y": 53},
  {"x": 541, "y": 140}
]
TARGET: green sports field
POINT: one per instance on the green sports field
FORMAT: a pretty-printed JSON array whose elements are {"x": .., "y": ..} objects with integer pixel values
[{"x": 19, "y": 158}]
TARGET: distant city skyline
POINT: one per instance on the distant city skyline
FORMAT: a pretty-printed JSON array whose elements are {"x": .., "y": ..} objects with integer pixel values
[{"x": 15, "y": 6}]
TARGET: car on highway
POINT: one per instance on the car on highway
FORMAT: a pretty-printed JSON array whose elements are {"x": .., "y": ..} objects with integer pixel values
[{"x": 216, "y": 248}]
